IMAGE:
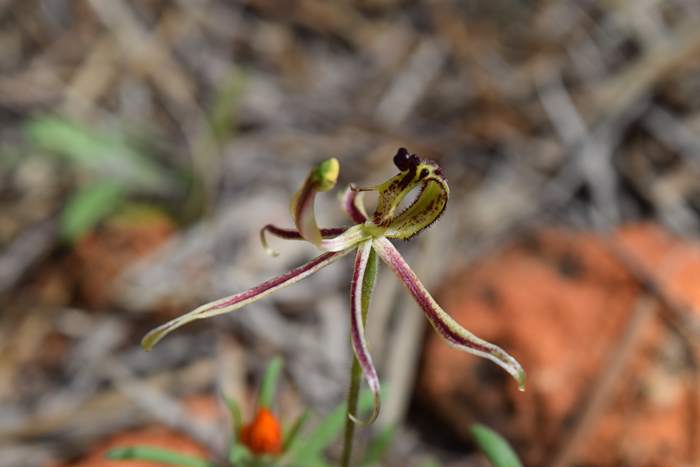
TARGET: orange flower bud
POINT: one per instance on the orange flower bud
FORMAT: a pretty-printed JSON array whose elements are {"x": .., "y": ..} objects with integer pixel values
[{"x": 263, "y": 435}]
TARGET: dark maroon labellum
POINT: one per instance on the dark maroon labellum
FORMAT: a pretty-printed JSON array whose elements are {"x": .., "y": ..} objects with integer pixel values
[{"x": 401, "y": 159}]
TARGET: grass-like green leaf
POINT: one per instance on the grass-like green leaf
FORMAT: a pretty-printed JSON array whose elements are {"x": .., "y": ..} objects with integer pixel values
[
  {"x": 325, "y": 433},
  {"x": 494, "y": 447},
  {"x": 239, "y": 455},
  {"x": 105, "y": 154},
  {"x": 152, "y": 454},
  {"x": 430, "y": 463},
  {"x": 268, "y": 388},
  {"x": 91, "y": 204},
  {"x": 224, "y": 110},
  {"x": 378, "y": 446},
  {"x": 292, "y": 434},
  {"x": 235, "y": 412}
]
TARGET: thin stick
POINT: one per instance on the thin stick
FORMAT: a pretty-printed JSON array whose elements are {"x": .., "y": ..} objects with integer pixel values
[{"x": 644, "y": 312}]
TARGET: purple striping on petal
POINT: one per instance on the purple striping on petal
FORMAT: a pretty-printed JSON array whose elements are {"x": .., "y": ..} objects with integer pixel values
[
  {"x": 350, "y": 206},
  {"x": 303, "y": 199},
  {"x": 443, "y": 323},
  {"x": 411, "y": 281},
  {"x": 291, "y": 234},
  {"x": 357, "y": 331},
  {"x": 304, "y": 206},
  {"x": 239, "y": 300},
  {"x": 275, "y": 281}
]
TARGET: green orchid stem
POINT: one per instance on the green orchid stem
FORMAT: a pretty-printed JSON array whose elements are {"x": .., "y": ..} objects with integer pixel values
[
  {"x": 353, "y": 393},
  {"x": 355, "y": 371}
]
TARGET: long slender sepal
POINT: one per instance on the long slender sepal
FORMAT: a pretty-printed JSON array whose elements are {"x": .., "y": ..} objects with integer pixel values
[
  {"x": 321, "y": 178},
  {"x": 239, "y": 300},
  {"x": 443, "y": 323},
  {"x": 353, "y": 205},
  {"x": 362, "y": 285},
  {"x": 291, "y": 234}
]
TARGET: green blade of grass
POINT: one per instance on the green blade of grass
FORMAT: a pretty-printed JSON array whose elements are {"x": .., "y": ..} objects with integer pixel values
[
  {"x": 292, "y": 434},
  {"x": 378, "y": 446},
  {"x": 91, "y": 204},
  {"x": 269, "y": 383},
  {"x": 325, "y": 432},
  {"x": 225, "y": 107},
  {"x": 494, "y": 446},
  {"x": 235, "y": 411},
  {"x": 102, "y": 153},
  {"x": 152, "y": 454}
]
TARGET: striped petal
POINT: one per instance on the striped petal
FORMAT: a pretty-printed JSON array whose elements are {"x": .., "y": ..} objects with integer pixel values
[
  {"x": 361, "y": 288},
  {"x": 291, "y": 234},
  {"x": 321, "y": 178},
  {"x": 239, "y": 300},
  {"x": 353, "y": 205},
  {"x": 344, "y": 237},
  {"x": 443, "y": 323}
]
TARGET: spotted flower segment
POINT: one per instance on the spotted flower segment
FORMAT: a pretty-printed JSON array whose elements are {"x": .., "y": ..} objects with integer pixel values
[{"x": 368, "y": 236}]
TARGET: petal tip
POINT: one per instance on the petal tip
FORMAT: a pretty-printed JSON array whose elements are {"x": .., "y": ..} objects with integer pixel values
[
  {"x": 521, "y": 378},
  {"x": 266, "y": 246},
  {"x": 326, "y": 174},
  {"x": 150, "y": 340},
  {"x": 376, "y": 408}
]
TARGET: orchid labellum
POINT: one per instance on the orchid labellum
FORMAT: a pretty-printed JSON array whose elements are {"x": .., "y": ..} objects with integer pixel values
[{"x": 369, "y": 237}]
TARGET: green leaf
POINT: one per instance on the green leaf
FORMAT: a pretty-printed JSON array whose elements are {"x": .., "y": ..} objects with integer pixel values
[
  {"x": 152, "y": 454},
  {"x": 291, "y": 436},
  {"x": 269, "y": 383},
  {"x": 378, "y": 446},
  {"x": 102, "y": 153},
  {"x": 239, "y": 455},
  {"x": 494, "y": 446},
  {"x": 89, "y": 206},
  {"x": 235, "y": 412},
  {"x": 224, "y": 111},
  {"x": 316, "y": 462},
  {"x": 325, "y": 432},
  {"x": 430, "y": 463}
]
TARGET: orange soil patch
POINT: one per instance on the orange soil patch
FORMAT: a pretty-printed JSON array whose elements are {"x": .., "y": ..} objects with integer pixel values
[
  {"x": 101, "y": 256},
  {"x": 204, "y": 408},
  {"x": 153, "y": 436},
  {"x": 559, "y": 302}
]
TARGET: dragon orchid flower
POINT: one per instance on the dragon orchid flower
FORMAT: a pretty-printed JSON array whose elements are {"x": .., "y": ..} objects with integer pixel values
[{"x": 369, "y": 237}]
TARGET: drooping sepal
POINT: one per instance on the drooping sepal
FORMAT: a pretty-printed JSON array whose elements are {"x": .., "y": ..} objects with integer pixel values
[
  {"x": 239, "y": 300},
  {"x": 361, "y": 287},
  {"x": 323, "y": 177},
  {"x": 443, "y": 323}
]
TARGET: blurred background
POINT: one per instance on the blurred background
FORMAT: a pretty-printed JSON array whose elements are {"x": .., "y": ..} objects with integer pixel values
[{"x": 143, "y": 143}]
